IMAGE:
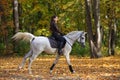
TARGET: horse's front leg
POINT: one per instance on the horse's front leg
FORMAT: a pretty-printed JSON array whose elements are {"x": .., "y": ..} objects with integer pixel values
[
  {"x": 55, "y": 62},
  {"x": 68, "y": 61}
]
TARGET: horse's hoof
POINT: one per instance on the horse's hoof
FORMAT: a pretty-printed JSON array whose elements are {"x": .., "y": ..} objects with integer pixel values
[
  {"x": 73, "y": 72},
  {"x": 50, "y": 71},
  {"x": 19, "y": 68}
]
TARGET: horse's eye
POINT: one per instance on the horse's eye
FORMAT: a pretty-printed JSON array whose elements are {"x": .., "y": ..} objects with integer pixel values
[{"x": 82, "y": 38}]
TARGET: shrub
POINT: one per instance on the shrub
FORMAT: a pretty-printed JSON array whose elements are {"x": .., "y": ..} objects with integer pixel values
[
  {"x": 80, "y": 51},
  {"x": 22, "y": 48}
]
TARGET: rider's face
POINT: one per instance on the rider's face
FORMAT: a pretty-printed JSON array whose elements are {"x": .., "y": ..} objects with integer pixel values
[{"x": 56, "y": 19}]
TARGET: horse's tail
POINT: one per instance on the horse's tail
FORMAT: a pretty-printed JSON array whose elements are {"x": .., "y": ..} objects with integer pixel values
[{"x": 25, "y": 36}]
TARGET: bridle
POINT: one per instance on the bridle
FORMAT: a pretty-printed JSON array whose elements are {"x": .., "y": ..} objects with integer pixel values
[{"x": 81, "y": 36}]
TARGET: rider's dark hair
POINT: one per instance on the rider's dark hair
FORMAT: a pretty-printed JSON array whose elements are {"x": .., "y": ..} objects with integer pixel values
[{"x": 52, "y": 18}]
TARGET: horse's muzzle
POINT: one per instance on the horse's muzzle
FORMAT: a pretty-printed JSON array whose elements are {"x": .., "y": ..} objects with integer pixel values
[{"x": 83, "y": 45}]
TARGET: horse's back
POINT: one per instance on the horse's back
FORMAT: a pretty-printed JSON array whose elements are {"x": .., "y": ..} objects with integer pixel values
[{"x": 40, "y": 41}]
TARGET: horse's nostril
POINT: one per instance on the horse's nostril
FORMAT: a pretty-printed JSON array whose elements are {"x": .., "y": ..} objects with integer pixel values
[{"x": 83, "y": 45}]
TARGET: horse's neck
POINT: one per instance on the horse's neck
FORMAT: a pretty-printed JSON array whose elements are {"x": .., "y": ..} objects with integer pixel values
[{"x": 72, "y": 37}]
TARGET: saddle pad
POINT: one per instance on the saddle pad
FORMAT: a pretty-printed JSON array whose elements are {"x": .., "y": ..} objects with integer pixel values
[{"x": 54, "y": 43}]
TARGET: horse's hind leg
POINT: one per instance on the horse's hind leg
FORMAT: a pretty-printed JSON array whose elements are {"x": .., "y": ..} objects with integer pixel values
[
  {"x": 32, "y": 58},
  {"x": 56, "y": 60},
  {"x": 24, "y": 59}
]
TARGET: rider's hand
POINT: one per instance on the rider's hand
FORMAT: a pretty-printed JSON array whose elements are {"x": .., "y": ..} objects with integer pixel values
[{"x": 61, "y": 34}]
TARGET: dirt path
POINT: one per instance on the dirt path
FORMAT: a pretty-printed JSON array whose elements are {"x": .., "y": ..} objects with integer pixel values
[{"x": 86, "y": 69}]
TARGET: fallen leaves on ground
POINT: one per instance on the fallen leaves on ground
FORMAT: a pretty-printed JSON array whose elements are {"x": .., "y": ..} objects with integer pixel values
[{"x": 107, "y": 68}]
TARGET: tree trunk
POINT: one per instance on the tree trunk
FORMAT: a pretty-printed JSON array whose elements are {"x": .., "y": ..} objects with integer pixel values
[
  {"x": 16, "y": 21},
  {"x": 112, "y": 29},
  {"x": 94, "y": 45},
  {"x": 96, "y": 13},
  {"x": 112, "y": 37},
  {"x": 89, "y": 29},
  {"x": 16, "y": 15}
]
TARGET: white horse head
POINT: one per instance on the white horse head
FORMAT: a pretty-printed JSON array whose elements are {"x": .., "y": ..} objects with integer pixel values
[
  {"x": 41, "y": 43},
  {"x": 76, "y": 35},
  {"x": 82, "y": 39}
]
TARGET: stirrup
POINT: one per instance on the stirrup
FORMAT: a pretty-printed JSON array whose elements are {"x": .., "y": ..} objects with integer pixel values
[{"x": 60, "y": 52}]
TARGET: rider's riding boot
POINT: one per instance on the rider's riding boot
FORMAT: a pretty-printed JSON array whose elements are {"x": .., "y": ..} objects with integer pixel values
[{"x": 60, "y": 48}]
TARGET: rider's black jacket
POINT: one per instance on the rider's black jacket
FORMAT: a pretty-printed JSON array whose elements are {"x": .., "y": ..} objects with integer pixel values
[{"x": 54, "y": 28}]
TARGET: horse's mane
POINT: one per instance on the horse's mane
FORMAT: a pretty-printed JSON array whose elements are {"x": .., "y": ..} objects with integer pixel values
[{"x": 71, "y": 33}]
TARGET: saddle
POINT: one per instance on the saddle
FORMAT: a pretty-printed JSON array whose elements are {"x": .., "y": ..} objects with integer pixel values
[{"x": 54, "y": 43}]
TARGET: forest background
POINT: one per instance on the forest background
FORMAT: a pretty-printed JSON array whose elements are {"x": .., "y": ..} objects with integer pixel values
[{"x": 34, "y": 16}]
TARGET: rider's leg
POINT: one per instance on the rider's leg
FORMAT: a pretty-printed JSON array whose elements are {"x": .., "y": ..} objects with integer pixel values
[
  {"x": 60, "y": 48},
  {"x": 61, "y": 41},
  {"x": 61, "y": 44}
]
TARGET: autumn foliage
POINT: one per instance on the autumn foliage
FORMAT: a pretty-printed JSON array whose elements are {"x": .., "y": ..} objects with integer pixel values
[
  {"x": 107, "y": 68},
  {"x": 34, "y": 17}
]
